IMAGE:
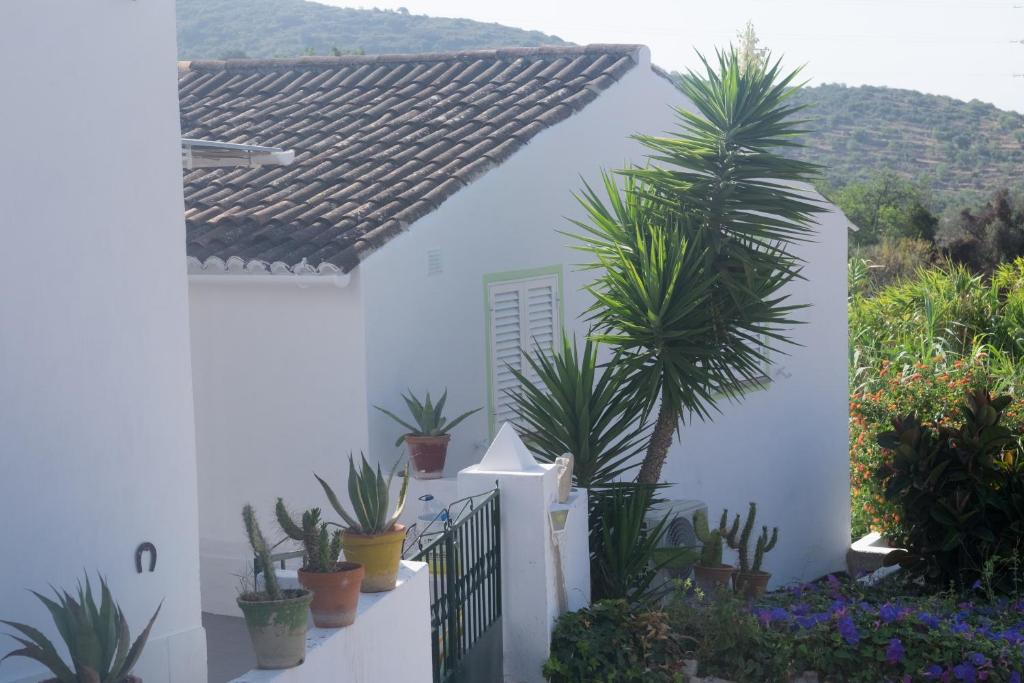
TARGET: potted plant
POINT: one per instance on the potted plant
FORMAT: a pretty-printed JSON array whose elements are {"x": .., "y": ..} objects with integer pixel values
[
  {"x": 335, "y": 585},
  {"x": 96, "y": 637},
  {"x": 276, "y": 618},
  {"x": 427, "y": 441},
  {"x": 373, "y": 538},
  {"x": 709, "y": 573},
  {"x": 750, "y": 580}
]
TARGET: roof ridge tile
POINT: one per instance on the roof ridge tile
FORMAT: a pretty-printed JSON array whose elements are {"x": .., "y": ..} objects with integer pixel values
[{"x": 325, "y": 62}]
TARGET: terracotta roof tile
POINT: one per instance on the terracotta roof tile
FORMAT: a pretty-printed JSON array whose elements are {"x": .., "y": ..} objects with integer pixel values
[{"x": 380, "y": 140}]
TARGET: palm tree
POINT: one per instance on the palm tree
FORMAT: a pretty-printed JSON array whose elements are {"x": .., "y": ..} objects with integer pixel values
[{"x": 694, "y": 251}]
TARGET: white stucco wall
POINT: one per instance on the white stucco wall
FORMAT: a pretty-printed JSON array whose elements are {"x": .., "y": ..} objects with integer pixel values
[
  {"x": 389, "y": 641},
  {"x": 785, "y": 447},
  {"x": 96, "y": 427},
  {"x": 280, "y": 391},
  {"x": 508, "y": 220}
]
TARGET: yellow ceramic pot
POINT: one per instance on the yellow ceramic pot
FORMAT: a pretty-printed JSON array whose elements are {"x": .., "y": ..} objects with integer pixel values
[{"x": 379, "y": 554}]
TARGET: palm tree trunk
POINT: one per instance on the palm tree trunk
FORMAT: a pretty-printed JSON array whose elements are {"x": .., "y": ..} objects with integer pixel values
[{"x": 657, "y": 449}]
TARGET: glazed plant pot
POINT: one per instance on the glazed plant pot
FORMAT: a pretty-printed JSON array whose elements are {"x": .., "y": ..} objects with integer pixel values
[
  {"x": 427, "y": 454},
  {"x": 752, "y": 584},
  {"x": 712, "y": 580},
  {"x": 335, "y": 594},
  {"x": 379, "y": 554},
  {"x": 278, "y": 628}
]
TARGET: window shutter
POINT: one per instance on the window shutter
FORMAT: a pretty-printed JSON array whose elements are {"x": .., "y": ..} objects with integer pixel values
[{"x": 524, "y": 318}]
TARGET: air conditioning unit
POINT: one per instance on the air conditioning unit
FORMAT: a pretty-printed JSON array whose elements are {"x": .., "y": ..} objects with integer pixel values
[{"x": 680, "y": 541}]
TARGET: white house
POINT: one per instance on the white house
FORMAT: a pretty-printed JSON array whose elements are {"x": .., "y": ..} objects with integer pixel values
[
  {"x": 415, "y": 243},
  {"x": 97, "y": 446}
]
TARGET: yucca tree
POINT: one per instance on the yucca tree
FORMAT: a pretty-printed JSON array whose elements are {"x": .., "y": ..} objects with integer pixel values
[{"x": 694, "y": 250}]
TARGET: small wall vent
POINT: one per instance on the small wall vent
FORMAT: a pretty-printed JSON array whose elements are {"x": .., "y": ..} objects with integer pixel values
[{"x": 435, "y": 265}]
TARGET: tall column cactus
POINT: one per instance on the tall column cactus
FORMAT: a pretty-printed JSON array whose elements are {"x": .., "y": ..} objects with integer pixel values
[
  {"x": 740, "y": 540},
  {"x": 320, "y": 548},
  {"x": 711, "y": 539},
  {"x": 259, "y": 546},
  {"x": 764, "y": 545}
]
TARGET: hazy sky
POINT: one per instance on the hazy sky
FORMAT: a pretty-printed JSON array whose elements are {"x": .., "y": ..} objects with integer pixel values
[{"x": 963, "y": 48}]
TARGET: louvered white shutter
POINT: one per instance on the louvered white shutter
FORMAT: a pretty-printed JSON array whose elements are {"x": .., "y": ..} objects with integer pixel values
[{"x": 524, "y": 318}]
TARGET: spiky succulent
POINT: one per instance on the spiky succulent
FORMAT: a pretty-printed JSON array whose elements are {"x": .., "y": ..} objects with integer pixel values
[
  {"x": 272, "y": 590},
  {"x": 97, "y": 637},
  {"x": 741, "y": 544},
  {"x": 369, "y": 492},
  {"x": 320, "y": 548},
  {"x": 429, "y": 418}
]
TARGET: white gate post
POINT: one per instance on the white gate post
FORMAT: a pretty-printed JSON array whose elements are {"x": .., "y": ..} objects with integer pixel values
[{"x": 535, "y": 584}]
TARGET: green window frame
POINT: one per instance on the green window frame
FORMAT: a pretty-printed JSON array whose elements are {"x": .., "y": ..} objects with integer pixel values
[{"x": 508, "y": 285}]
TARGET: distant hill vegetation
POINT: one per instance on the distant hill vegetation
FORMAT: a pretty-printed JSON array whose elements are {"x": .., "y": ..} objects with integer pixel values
[
  {"x": 224, "y": 29},
  {"x": 959, "y": 152}
]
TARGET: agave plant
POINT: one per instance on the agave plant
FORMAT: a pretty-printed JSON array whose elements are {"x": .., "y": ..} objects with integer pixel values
[
  {"x": 369, "y": 492},
  {"x": 97, "y": 638},
  {"x": 429, "y": 418}
]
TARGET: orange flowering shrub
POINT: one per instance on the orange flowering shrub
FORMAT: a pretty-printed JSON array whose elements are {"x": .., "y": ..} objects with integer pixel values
[{"x": 934, "y": 391}]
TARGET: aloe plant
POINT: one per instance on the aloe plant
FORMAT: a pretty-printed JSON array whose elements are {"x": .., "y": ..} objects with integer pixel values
[
  {"x": 369, "y": 493},
  {"x": 429, "y": 418},
  {"x": 97, "y": 637},
  {"x": 321, "y": 548}
]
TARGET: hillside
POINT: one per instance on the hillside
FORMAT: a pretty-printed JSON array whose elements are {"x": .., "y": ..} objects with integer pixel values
[
  {"x": 961, "y": 149},
  {"x": 219, "y": 29}
]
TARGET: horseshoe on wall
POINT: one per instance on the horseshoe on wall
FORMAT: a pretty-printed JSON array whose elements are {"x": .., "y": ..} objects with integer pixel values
[{"x": 144, "y": 548}]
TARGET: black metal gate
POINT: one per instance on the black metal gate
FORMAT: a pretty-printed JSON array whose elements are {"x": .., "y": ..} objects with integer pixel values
[{"x": 463, "y": 555}]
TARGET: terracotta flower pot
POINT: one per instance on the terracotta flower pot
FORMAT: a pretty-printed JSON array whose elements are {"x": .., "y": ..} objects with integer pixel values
[
  {"x": 427, "y": 454},
  {"x": 335, "y": 594},
  {"x": 278, "y": 628},
  {"x": 712, "y": 580},
  {"x": 752, "y": 584},
  {"x": 379, "y": 554}
]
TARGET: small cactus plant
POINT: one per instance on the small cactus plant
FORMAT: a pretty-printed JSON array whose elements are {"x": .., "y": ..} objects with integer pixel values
[
  {"x": 711, "y": 539},
  {"x": 321, "y": 549},
  {"x": 740, "y": 540},
  {"x": 272, "y": 590}
]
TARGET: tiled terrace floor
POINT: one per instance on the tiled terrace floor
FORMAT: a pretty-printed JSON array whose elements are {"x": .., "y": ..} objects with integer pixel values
[{"x": 228, "y": 649}]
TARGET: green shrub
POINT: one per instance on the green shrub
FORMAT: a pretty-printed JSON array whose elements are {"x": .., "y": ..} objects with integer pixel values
[
  {"x": 727, "y": 640},
  {"x": 610, "y": 642},
  {"x": 624, "y": 547},
  {"x": 933, "y": 390},
  {"x": 958, "y": 490},
  {"x": 893, "y": 259},
  {"x": 914, "y": 348}
]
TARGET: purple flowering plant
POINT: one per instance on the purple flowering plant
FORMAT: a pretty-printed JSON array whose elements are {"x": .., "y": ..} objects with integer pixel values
[
  {"x": 849, "y": 632},
  {"x": 845, "y": 631}
]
